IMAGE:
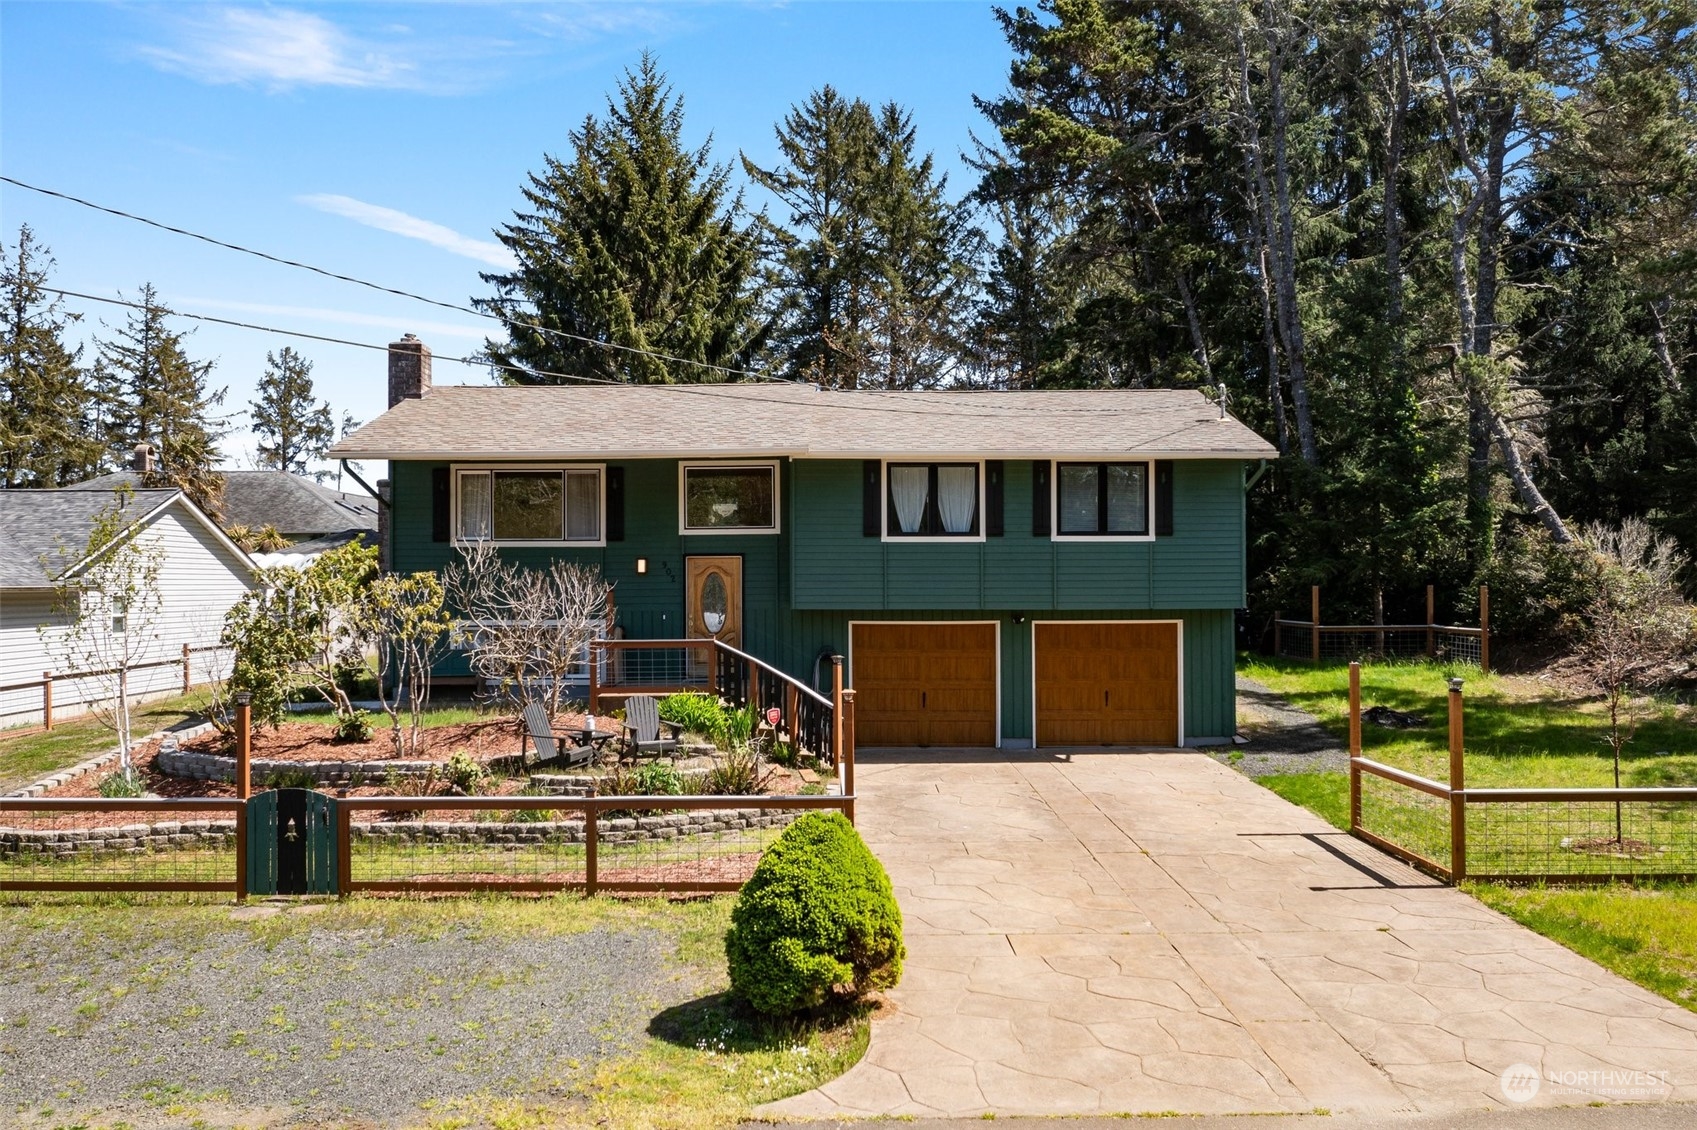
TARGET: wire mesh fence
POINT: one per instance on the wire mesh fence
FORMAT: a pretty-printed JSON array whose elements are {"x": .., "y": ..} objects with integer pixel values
[
  {"x": 1416, "y": 822},
  {"x": 655, "y": 844},
  {"x": 1628, "y": 833},
  {"x": 116, "y": 845},
  {"x": 1346, "y": 644},
  {"x": 662, "y": 664}
]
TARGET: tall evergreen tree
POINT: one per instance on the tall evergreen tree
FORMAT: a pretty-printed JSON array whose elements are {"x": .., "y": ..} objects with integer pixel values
[
  {"x": 46, "y": 425},
  {"x": 635, "y": 241},
  {"x": 160, "y": 396},
  {"x": 874, "y": 269},
  {"x": 293, "y": 426}
]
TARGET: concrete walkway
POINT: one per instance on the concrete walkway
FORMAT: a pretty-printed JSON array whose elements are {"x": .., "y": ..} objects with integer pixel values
[{"x": 1141, "y": 932}]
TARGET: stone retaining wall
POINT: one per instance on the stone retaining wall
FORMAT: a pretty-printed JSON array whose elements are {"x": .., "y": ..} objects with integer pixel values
[
  {"x": 218, "y": 767},
  {"x": 130, "y": 839},
  {"x": 133, "y": 839},
  {"x": 107, "y": 759},
  {"x": 586, "y": 784}
]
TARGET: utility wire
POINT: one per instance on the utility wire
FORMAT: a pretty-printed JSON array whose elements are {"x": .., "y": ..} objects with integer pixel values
[
  {"x": 988, "y": 411},
  {"x": 389, "y": 289}
]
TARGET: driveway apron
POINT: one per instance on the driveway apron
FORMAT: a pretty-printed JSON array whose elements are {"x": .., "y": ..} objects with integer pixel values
[{"x": 1138, "y": 932}]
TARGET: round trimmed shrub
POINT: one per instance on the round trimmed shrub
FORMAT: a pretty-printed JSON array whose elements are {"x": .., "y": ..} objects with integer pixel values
[{"x": 818, "y": 917}]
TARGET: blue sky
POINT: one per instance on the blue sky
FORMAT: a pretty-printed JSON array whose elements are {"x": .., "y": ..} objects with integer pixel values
[{"x": 385, "y": 141}]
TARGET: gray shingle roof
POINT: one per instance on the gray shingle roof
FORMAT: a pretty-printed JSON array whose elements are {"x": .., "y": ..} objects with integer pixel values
[
  {"x": 296, "y": 506},
  {"x": 37, "y": 524},
  {"x": 636, "y": 421}
]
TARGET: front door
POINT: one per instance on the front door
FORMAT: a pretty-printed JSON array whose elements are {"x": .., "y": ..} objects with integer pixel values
[{"x": 714, "y": 602}]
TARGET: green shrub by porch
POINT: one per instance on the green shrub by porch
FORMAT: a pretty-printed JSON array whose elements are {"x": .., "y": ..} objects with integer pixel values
[{"x": 818, "y": 915}]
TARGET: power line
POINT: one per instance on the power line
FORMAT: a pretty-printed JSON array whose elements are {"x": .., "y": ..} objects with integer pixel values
[
  {"x": 987, "y": 411},
  {"x": 381, "y": 289}
]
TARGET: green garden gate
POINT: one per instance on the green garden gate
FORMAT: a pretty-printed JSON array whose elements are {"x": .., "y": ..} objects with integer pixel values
[{"x": 291, "y": 843}]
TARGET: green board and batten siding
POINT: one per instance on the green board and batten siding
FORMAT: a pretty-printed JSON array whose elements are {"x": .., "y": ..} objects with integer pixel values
[{"x": 803, "y": 586}]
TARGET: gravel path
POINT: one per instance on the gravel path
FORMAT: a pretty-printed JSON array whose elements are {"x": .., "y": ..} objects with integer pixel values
[
  {"x": 321, "y": 1024},
  {"x": 1282, "y": 738}
]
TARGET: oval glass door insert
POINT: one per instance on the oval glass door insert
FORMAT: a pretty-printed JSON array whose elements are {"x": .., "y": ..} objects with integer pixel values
[{"x": 715, "y": 603}]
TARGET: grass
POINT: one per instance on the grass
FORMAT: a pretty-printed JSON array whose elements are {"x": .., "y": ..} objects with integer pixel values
[
  {"x": 1324, "y": 794},
  {"x": 1647, "y": 935},
  {"x": 28, "y": 756},
  {"x": 701, "y": 1065}
]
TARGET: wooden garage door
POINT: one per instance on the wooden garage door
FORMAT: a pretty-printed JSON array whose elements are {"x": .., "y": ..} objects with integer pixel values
[
  {"x": 1107, "y": 684},
  {"x": 924, "y": 684}
]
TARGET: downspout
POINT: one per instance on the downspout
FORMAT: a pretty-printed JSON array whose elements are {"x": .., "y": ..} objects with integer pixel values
[
  {"x": 1247, "y": 486},
  {"x": 385, "y": 503}
]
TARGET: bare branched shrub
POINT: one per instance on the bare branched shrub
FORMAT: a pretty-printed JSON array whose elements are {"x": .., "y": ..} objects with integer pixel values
[
  {"x": 1639, "y": 631},
  {"x": 524, "y": 630}
]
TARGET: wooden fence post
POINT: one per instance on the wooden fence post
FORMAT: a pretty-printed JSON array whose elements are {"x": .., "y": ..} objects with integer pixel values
[
  {"x": 1458, "y": 787},
  {"x": 1314, "y": 618},
  {"x": 185, "y": 668},
  {"x": 1278, "y": 635},
  {"x": 591, "y": 835},
  {"x": 47, "y": 700},
  {"x": 846, "y": 777},
  {"x": 1354, "y": 746},
  {"x": 1485, "y": 629},
  {"x": 837, "y": 712},
  {"x": 244, "y": 746},
  {"x": 1431, "y": 619},
  {"x": 594, "y": 678}
]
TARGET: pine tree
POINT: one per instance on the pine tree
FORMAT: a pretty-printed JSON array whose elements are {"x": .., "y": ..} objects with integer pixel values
[
  {"x": 293, "y": 429},
  {"x": 635, "y": 241},
  {"x": 874, "y": 271},
  {"x": 46, "y": 436},
  {"x": 160, "y": 397}
]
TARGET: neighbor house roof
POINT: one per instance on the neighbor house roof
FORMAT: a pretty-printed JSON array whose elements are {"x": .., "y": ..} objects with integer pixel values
[
  {"x": 740, "y": 420},
  {"x": 43, "y": 532},
  {"x": 291, "y": 504}
]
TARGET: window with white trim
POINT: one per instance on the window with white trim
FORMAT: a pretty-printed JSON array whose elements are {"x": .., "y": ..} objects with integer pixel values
[
  {"x": 529, "y": 504},
  {"x": 931, "y": 500},
  {"x": 1102, "y": 499},
  {"x": 727, "y": 498}
]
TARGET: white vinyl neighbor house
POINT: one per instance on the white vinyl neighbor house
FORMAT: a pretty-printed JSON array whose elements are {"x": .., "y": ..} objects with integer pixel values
[{"x": 42, "y": 534}]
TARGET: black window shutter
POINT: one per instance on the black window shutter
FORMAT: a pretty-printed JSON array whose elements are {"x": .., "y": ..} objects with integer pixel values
[
  {"x": 615, "y": 504},
  {"x": 439, "y": 507},
  {"x": 1164, "y": 498},
  {"x": 872, "y": 499},
  {"x": 993, "y": 472},
  {"x": 1040, "y": 499}
]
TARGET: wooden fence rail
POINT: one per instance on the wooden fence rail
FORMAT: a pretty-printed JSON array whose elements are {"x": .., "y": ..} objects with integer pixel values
[
  {"x": 1520, "y": 835},
  {"x": 48, "y": 678},
  {"x": 1314, "y": 641}
]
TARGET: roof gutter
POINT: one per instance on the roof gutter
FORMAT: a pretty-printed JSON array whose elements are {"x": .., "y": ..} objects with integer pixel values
[{"x": 369, "y": 489}]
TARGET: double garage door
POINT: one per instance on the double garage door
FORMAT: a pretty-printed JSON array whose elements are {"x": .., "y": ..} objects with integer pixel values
[{"x": 1095, "y": 683}]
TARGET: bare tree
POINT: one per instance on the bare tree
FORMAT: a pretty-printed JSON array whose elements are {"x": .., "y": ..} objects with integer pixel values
[
  {"x": 525, "y": 630},
  {"x": 108, "y": 592},
  {"x": 407, "y": 618},
  {"x": 1639, "y": 630}
]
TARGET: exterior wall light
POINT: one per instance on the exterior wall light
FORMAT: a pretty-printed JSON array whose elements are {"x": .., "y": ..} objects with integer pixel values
[{"x": 642, "y": 566}]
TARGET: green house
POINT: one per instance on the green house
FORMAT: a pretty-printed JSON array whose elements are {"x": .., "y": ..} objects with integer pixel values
[{"x": 998, "y": 568}]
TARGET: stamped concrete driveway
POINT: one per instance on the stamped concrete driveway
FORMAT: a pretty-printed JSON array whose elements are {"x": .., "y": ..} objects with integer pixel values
[{"x": 1137, "y": 932}]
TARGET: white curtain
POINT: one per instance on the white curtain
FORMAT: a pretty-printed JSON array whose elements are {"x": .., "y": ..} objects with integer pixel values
[
  {"x": 474, "y": 505},
  {"x": 583, "y": 506},
  {"x": 957, "y": 498},
  {"x": 909, "y": 486}
]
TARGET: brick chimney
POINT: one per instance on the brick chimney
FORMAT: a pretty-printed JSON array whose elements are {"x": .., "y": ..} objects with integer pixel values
[
  {"x": 409, "y": 370},
  {"x": 141, "y": 459}
]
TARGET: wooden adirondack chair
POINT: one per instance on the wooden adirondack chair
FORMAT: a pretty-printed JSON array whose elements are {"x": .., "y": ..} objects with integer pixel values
[
  {"x": 642, "y": 728},
  {"x": 549, "y": 745}
]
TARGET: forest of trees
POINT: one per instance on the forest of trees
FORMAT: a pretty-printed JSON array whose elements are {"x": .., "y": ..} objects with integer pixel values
[{"x": 1442, "y": 255}]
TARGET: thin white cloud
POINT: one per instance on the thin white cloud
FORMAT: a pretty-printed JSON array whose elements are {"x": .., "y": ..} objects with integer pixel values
[
  {"x": 279, "y": 48},
  {"x": 411, "y": 227},
  {"x": 424, "y": 329}
]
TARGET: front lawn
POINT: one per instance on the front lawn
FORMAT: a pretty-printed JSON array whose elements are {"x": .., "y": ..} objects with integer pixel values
[
  {"x": 464, "y": 1013},
  {"x": 29, "y": 755}
]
